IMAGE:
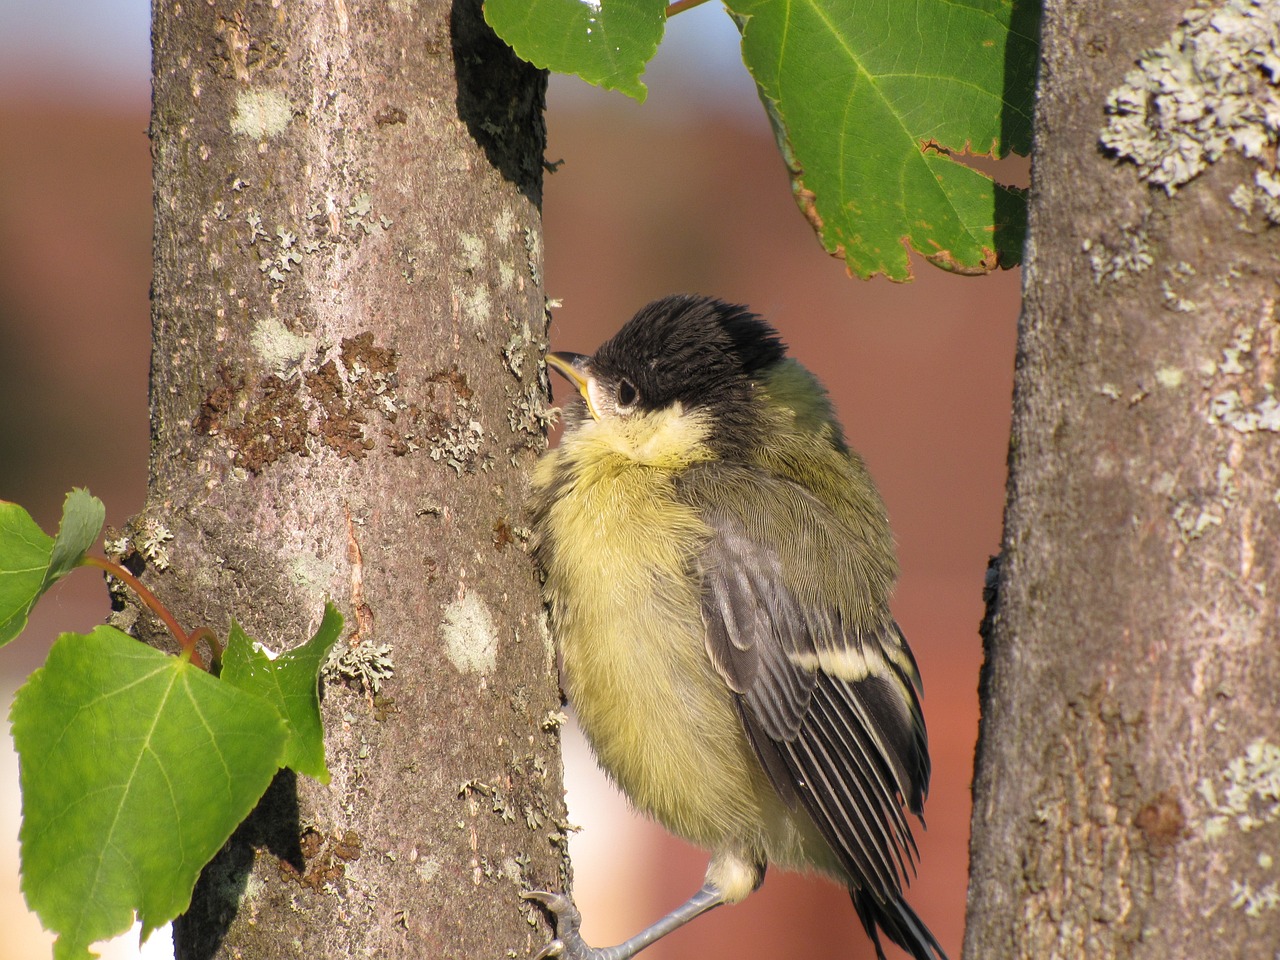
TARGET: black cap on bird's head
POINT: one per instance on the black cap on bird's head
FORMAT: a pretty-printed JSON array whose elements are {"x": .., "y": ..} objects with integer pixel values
[
  {"x": 694, "y": 350},
  {"x": 689, "y": 348}
]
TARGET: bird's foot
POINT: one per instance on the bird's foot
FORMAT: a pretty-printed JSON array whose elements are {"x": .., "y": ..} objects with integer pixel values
[{"x": 568, "y": 943}]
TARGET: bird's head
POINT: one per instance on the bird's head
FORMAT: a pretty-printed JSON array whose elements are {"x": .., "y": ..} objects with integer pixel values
[{"x": 687, "y": 361}]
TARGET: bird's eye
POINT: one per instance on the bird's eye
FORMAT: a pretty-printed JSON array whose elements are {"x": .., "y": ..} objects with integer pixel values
[{"x": 627, "y": 394}]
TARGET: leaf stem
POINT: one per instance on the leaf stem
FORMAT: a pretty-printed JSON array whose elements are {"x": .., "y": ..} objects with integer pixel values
[
  {"x": 185, "y": 640},
  {"x": 207, "y": 635},
  {"x": 680, "y": 6}
]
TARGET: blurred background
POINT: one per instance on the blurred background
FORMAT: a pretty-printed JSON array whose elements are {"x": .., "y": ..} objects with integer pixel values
[{"x": 683, "y": 193}]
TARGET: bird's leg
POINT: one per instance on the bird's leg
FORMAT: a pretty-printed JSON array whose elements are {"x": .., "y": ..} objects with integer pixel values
[{"x": 569, "y": 945}]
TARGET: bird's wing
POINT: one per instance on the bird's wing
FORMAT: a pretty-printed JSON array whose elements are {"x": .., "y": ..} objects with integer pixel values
[{"x": 825, "y": 685}]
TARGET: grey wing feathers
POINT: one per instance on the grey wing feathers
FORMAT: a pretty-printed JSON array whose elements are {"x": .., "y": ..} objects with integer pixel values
[{"x": 852, "y": 751}]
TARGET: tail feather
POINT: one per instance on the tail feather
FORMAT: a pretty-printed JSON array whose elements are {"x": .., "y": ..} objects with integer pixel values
[{"x": 899, "y": 923}]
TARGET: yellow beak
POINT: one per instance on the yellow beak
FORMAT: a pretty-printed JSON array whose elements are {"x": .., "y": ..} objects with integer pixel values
[{"x": 576, "y": 368}]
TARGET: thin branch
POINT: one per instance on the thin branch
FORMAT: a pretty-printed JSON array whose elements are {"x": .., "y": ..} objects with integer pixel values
[
  {"x": 211, "y": 638},
  {"x": 680, "y": 6},
  {"x": 187, "y": 642}
]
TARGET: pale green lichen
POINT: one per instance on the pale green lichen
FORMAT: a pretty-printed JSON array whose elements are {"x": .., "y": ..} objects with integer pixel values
[
  {"x": 1246, "y": 796},
  {"x": 261, "y": 114},
  {"x": 548, "y": 644},
  {"x": 152, "y": 537},
  {"x": 470, "y": 635},
  {"x": 1208, "y": 90},
  {"x": 533, "y": 255},
  {"x": 515, "y": 351},
  {"x": 1194, "y": 519},
  {"x": 473, "y": 251},
  {"x": 427, "y": 869},
  {"x": 533, "y": 817},
  {"x": 1254, "y": 901},
  {"x": 1176, "y": 301},
  {"x": 1170, "y": 377},
  {"x": 256, "y": 232},
  {"x": 506, "y": 275},
  {"x": 1128, "y": 256},
  {"x": 458, "y": 444},
  {"x": 1225, "y": 478},
  {"x": 477, "y": 306},
  {"x": 531, "y": 416},
  {"x": 1240, "y": 406},
  {"x": 474, "y": 789},
  {"x": 527, "y": 413},
  {"x": 284, "y": 258},
  {"x": 366, "y": 664},
  {"x": 117, "y": 546},
  {"x": 279, "y": 347},
  {"x": 1228, "y": 409},
  {"x": 513, "y": 868},
  {"x": 309, "y": 573},
  {"x": 1262, "y": 195},
  {"x": 504, "y": 224},
  {"x": 360, "y": 216},
  {"x": 1240, "y": 346}
]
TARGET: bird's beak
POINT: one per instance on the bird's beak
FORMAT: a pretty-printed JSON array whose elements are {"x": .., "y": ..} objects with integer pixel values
[{"x": 576, "y": 368}]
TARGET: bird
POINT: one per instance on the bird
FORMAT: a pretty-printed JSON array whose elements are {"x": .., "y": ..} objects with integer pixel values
[{"x": 717, "y": 565}]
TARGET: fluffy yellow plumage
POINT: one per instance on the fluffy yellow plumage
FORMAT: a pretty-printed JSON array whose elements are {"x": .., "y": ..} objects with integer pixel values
[
  {"x": 717, "y": 567},
  {"x": 659, "y": 717}
]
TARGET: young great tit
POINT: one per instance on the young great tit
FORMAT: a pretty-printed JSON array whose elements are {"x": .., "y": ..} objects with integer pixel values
[{"x": 717, "y": 569}]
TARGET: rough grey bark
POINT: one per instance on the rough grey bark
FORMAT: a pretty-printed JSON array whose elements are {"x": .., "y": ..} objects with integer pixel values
[
  {"x": 1127, "y": 791},
  {"x": 346, "y": 396}
]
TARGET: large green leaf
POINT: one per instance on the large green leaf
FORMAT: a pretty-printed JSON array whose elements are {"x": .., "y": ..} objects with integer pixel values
[
  {"x": 290, "y": 682},
  {"x": 870, "y": 99},
  {"x": 135, "y": 768},
  {"x": 31, "y": 561},
  {"x": 605, "y": 42}
]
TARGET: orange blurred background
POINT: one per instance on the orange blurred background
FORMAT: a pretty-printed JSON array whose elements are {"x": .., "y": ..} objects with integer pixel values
[{"x": 683, "y": 193}]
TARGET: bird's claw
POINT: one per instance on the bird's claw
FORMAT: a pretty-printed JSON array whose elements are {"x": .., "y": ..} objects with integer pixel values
[{"x": 568, "y": 943}]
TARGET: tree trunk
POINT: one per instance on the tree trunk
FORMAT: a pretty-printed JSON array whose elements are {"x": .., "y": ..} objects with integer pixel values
[
  {"x": 347, "y": 394},
  {"x": 1127, "y": 789}
]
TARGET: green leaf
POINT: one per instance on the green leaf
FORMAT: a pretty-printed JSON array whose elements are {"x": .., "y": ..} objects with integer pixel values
[
  {"x": 31, "y": 561},
  {"x": 24, "y": 560},
  {"x": 290, "y": 683},
  {"x": 135, "y": 768},
  {"x": 869, "y": 100},
  {"x": 82, "y": 517},
  {"x": 606, "y": 42}
]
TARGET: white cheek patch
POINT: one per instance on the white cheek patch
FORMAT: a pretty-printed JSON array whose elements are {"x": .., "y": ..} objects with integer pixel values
[{"x": 598, "y": 400}]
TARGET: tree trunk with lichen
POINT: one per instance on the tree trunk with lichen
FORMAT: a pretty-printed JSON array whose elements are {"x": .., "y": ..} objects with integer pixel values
[
  {"x": 1127, "y": 790},
  {"x": 346, "y": 397}
]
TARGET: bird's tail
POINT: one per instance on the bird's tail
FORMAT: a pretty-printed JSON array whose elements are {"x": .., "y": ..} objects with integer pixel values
[{"x": 899, "y": 923}]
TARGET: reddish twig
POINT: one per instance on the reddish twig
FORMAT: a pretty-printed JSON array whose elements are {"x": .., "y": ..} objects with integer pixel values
[
  {"x": 152, "y": 602},
  {"x": 680, "y": 6},
  {"x": 211, "y": 638}
]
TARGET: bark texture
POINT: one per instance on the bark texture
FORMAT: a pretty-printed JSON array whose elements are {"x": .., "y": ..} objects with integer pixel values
[
  {"x": 1127, "y": 790},
  {"x": 347, "y": 393}
]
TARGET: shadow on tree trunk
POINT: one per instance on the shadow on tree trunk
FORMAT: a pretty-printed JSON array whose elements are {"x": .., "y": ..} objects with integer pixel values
[
  {"x": 498, "y": 92},
  {"x": 273, "y": 828}
]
